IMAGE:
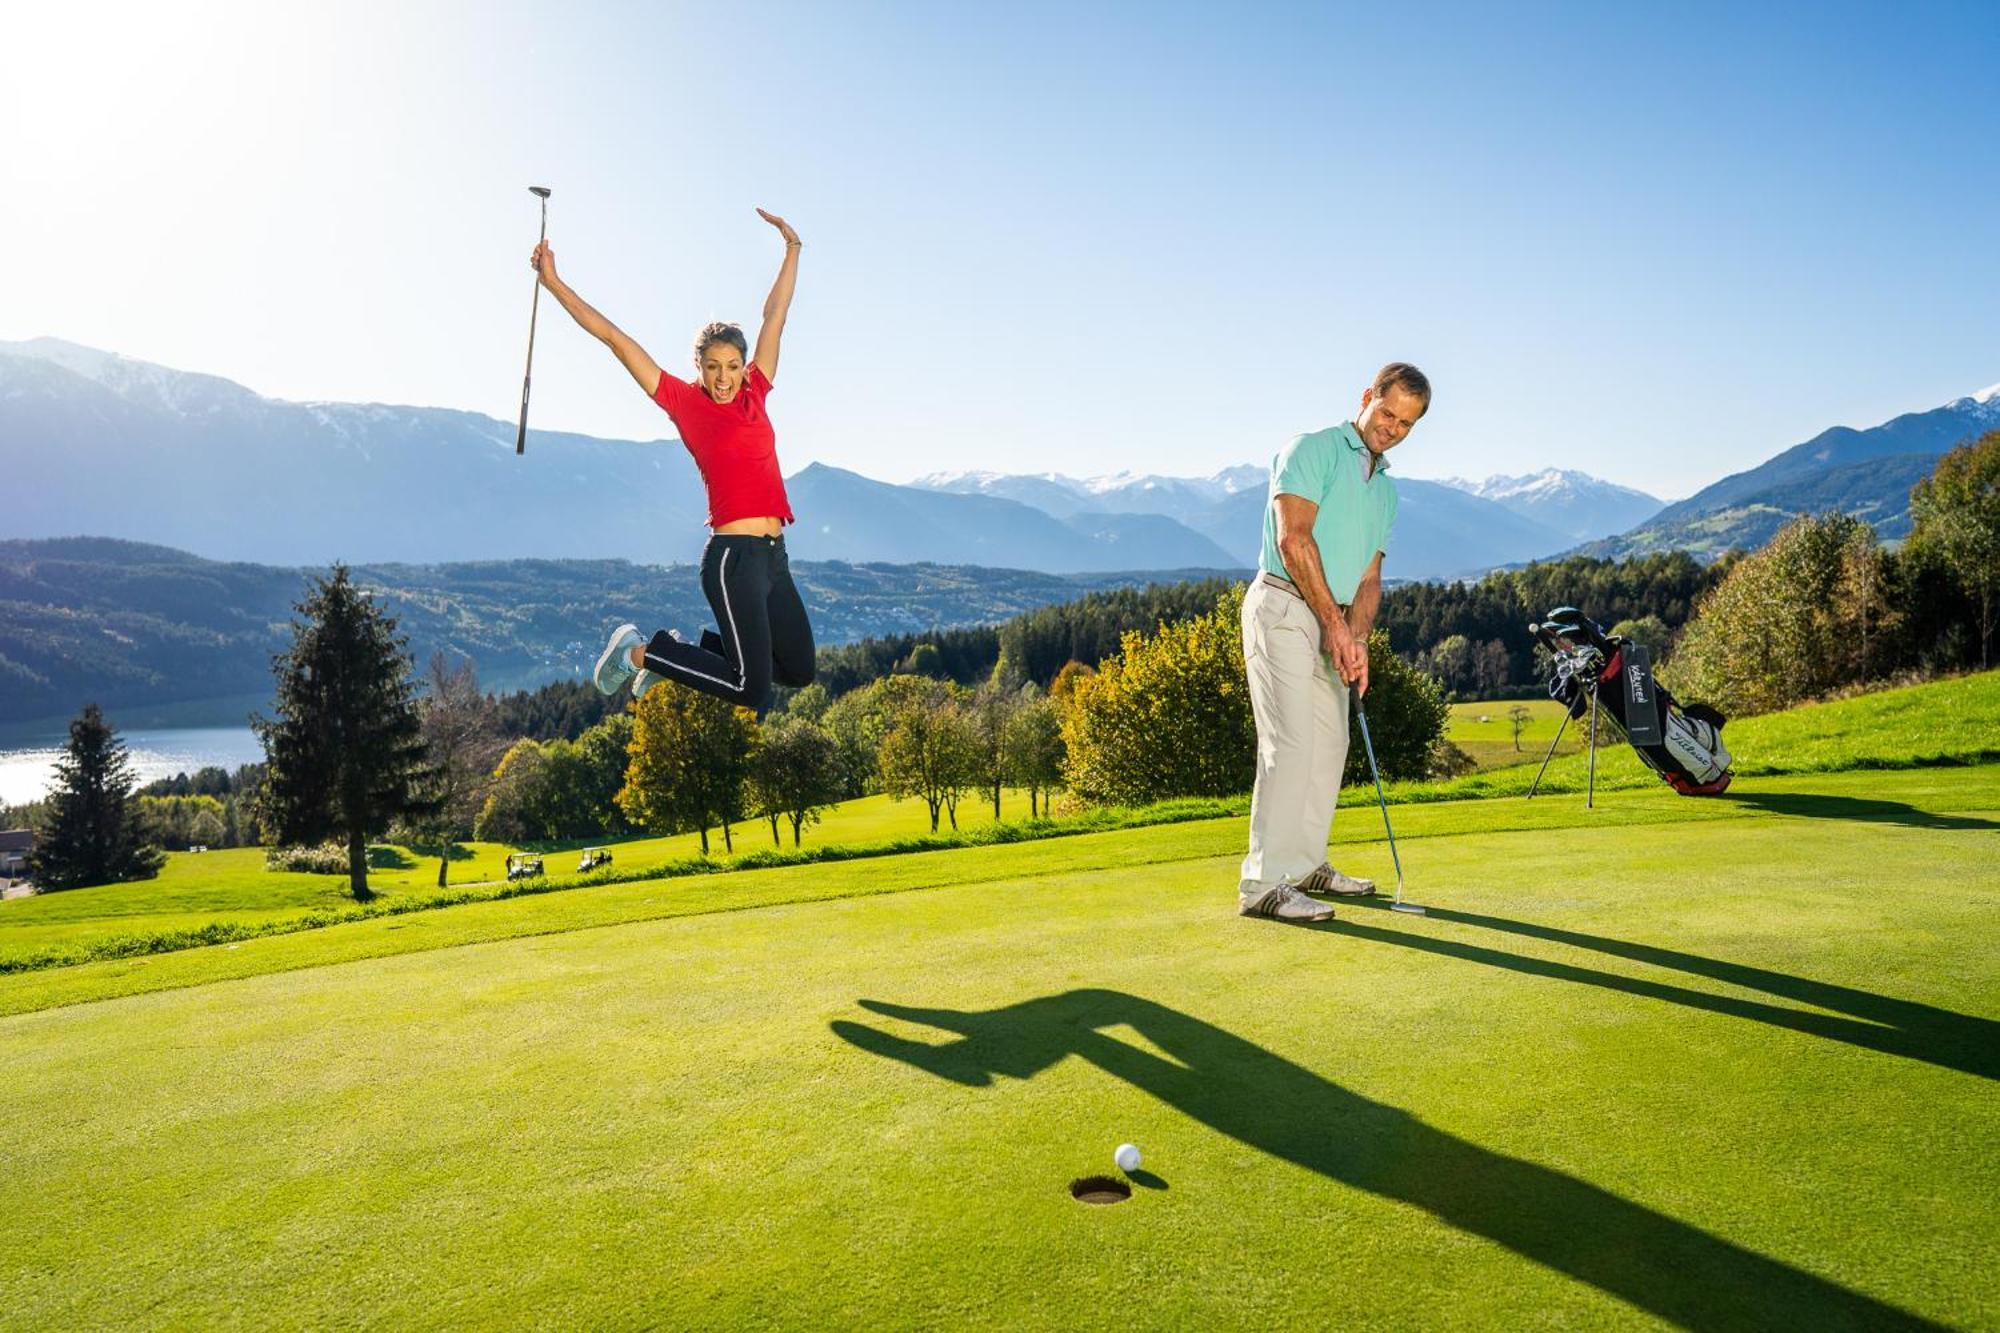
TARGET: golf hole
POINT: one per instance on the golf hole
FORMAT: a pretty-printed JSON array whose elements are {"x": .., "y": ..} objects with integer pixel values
[{"x": 1099, "y": 1189}]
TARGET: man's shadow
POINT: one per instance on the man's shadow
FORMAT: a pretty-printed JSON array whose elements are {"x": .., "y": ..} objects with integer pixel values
[
  {"x": 1675, "y": 1271},
  {"x": 1915, "y": 1031}
]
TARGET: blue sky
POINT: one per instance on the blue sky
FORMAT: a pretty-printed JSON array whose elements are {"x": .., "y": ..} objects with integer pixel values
[{"x": 1658, "y": 247}]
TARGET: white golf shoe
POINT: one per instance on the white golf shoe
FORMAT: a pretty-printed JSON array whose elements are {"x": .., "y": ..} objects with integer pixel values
[
  {"x": 1326, "y": 879},
  {"x": 1281, "y": 902},
  {"x": 614, "y": 664}
]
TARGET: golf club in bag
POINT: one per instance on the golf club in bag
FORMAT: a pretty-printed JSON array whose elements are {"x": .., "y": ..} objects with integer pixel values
[
  {"x": 1368, "y": 742},
  {"x": 1683, "y": 744},
  {"x": 534, "y": 309}
]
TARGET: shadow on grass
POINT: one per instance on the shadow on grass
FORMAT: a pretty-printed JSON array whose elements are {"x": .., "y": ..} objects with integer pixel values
[
  {"x": 1876, "y": 1022},
  {"x": 1804, "y": 805},
  {"x": 1675, "y": 1271},
  {"x": 383, "y": 856}
]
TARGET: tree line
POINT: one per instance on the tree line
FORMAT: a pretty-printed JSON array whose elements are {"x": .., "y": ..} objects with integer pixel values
[{"x": 357, "y": 748}]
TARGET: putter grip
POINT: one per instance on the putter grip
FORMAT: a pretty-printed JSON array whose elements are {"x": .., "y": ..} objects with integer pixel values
[{"x": 521, "y": 436}]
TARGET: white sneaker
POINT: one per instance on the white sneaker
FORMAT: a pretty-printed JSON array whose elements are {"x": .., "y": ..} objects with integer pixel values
[
  {"x": 1281, "y": 901},
  {"x": 1328, "y": 880},
  {"x": 614, "y": 664}
]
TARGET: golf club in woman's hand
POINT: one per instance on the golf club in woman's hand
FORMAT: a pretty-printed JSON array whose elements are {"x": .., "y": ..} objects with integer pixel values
[{"x": 535, "y": 308}]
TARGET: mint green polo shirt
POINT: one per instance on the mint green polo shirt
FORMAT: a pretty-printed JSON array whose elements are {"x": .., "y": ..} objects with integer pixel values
[{"x": 1356, "y": 511}]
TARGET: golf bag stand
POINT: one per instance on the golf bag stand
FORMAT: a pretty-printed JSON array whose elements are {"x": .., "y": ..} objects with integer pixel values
[
  {"x": 1592, "y": 669},
  {"x": 1590, "y": 790},
  {"x": 1561, "y": 727}
]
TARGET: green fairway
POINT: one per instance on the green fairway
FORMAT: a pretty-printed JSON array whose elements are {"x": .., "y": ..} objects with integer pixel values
[{"x": 1722, "y": 1062}]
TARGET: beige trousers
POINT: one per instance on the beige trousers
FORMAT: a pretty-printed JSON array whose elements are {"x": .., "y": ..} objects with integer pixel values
[{"x": 1301, "y": 707}]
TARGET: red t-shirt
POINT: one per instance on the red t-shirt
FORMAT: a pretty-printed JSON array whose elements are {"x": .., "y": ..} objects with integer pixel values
[{"x": 733, "y": 446}]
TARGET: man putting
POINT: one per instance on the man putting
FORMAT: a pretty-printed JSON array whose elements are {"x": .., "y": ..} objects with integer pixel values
[{"x": 1306, "y": 619}]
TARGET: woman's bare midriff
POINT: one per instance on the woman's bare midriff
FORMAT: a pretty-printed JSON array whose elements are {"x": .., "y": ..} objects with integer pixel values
[{"x": 750, "y": 527}]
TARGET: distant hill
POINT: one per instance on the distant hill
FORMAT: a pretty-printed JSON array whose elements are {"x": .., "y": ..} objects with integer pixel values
[
  {"x": 131, "y": 625},
  {"x": 1867, "y": 473},
  {"x": 846, "y": 516}
]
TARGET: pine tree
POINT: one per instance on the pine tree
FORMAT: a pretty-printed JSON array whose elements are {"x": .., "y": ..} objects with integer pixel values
[
  {"x": 90, "y": 832},
  {"x": 346, "y": 750}
]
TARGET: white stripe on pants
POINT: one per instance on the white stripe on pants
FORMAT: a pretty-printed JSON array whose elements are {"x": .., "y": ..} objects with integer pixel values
[{"x": 1301, "y": 708}]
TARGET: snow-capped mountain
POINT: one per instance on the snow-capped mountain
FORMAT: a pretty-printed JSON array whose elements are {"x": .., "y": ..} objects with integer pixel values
[
  {"x": 1571, "y": 502},
  {"x": 1181, "y": 498},
  {"x": 1441, "y": 533}
]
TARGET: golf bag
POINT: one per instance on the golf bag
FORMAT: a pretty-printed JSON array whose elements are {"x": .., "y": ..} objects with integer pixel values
[{"x": 1683, "y": 744}]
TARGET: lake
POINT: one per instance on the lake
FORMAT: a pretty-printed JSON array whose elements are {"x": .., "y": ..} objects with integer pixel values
[{"x": 28, "y": 770}]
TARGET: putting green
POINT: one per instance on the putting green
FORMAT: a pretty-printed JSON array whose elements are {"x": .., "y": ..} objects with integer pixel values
[{"x": 1711, "y": 1063}]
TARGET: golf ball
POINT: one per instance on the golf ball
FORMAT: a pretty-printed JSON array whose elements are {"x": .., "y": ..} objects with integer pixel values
[{"x": 1127, "y": 1158}]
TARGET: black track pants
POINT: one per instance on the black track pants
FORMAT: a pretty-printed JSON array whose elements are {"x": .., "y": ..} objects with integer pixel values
[{"x": 765, "y": 635}]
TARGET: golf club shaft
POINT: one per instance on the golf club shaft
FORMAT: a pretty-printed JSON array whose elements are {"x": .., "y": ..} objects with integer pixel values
[
  {"x": 1368, "y": 742},
  {"x": 534, "y": 310}
]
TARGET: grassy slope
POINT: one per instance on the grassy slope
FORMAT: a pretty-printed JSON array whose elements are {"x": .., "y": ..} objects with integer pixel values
[
  {"x": 1491, "y": 744},
  {"x": 1715, "y": 1069},
  {"x": 1944, "y": 722},
  {"x": 232, "y": 884}
]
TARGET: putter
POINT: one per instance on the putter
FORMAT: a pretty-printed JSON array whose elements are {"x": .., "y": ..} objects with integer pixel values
[
  {"x": 534, "y": 309},
  {"x": 1369, "y": 742}
]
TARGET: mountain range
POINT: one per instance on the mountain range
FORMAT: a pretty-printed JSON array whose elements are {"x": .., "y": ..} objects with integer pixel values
[
  {"x": 102, "y": 444},
  {"x": 1442, "y": 528},
  {"x": 95, "y": 443}
]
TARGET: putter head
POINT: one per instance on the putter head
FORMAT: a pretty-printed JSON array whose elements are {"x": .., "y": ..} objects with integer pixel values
[
  {"x": 541, "y": 190},
  {"x": 1411, "y": 908}
]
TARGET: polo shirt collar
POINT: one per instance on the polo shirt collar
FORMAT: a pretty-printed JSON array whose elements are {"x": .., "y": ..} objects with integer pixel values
[{"x": 1352, "y": 439}]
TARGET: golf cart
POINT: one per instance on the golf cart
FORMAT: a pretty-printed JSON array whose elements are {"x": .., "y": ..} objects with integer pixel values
[
  {"x": 520, "y": 865},
  {"x": 592, "y": 858}
]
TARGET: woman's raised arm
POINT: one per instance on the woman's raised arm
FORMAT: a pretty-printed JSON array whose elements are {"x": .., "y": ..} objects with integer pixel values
[
  {"x": 779, "y": 302},
  {"x": 634, "y": 358}
]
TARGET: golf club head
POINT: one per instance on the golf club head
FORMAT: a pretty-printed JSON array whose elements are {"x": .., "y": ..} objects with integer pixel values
[
  {"x": 1573, "y": 627},
  {"x": 541, "y": 190},
  {"x": 1411, "y": 908}
]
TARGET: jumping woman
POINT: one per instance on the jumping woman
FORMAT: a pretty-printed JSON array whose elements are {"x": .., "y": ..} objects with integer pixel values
[{"x": 745, "y": 573}]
